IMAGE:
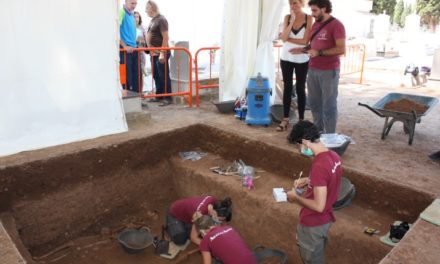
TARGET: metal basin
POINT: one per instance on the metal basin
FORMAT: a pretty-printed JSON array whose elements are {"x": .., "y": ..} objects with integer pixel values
[
  {"x": 225, "y": 107},
  {"x": 134, "y": 241}
]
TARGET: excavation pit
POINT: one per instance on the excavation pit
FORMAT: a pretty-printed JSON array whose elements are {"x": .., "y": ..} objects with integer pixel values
[{"x": 67, "y": 209}]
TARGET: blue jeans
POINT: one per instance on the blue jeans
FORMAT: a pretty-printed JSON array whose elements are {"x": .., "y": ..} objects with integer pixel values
[
  {"x": 161, "y": 75},
  {"x": 132, "y": 69},
  {"x": 322, "y": 87},
  {"x": 179, "y": 231}
]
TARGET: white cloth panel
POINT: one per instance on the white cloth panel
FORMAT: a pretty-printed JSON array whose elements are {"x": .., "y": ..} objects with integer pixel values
[
  {"x": 59, "y": 73},
  {"x": 265, "y": 60},
  {"x": 239, "y": 43}
]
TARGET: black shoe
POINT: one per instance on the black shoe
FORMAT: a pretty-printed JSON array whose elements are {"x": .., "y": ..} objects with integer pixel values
[
  {"x": 435, "y": 156},
  {"x": 165, "y": 103}
]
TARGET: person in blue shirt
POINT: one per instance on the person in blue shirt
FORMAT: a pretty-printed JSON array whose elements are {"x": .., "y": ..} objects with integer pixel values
[{"x": 129, "y": 57}]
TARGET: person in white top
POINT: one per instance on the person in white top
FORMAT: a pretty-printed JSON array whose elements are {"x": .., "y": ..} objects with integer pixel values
[
  {"x": 295, "y": 34},
  {"x": 140, "y": 40}
]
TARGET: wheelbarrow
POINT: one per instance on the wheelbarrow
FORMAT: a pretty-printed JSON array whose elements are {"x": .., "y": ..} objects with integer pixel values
[{"x": 409, "y": 119}]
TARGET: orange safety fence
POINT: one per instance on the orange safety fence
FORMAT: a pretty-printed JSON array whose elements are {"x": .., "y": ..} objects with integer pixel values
[
  {"x": 210, "y": 85},
  {"x": 351, "y": 62},
  {"x": 123, "y": 74},
  {"x": 186, "y": 94}
]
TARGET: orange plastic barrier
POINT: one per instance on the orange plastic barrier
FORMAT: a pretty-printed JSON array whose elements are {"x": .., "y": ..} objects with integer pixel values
[
  {"x": 351, "y": 62},
  {"x": 186, "y": 94},
  {"x": 212, "y": 51},
  {"x": 123, "y": 74}
]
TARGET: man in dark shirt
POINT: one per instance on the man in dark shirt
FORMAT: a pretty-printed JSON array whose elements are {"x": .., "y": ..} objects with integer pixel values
[{"x": 157, "y": 36}]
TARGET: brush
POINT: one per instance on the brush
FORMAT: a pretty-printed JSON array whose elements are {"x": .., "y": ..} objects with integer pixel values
[{"x": 299, "y": 177}]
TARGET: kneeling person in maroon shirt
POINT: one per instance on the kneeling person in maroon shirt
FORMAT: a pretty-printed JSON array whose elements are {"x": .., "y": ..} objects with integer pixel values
[
  {"x": 179, "y": 220},
  {"x": 316, "y": 214},
  {"x": 222, "y": 243}
]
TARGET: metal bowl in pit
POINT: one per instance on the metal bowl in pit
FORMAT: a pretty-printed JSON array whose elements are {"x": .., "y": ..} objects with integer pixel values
[{"x": 134, "y": 241}]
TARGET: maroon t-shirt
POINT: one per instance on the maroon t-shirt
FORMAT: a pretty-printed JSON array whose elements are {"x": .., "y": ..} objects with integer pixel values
[
  {"x": 326, "y": 171},
  {"x": 226, "y": 245},
  {"x": 185, "y": 208},
  {"x": 326, "y": 39}
]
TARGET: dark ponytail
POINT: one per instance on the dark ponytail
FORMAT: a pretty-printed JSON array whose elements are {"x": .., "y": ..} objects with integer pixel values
[{"x": 224, "y": 208}]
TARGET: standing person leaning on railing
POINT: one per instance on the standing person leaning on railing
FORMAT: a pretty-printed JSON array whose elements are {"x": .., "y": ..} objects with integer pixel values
[
  {"x": 129, "y": 57},
  {"x": 295, "y": 34},
  {"x": 157, "y": 36}
]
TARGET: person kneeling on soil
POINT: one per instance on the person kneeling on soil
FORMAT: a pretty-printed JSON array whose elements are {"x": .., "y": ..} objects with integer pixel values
[
  {"x": 322, "y": 191},
  {"x": 180, "y": 216},
  {"x": 222, "y": 243}
]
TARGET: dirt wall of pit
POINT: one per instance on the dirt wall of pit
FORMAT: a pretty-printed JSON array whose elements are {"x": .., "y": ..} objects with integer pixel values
[
  {"x": 383, "y": 195},
  {"x": 55, "y": 200},
  {"x": 60, "y": 198}
]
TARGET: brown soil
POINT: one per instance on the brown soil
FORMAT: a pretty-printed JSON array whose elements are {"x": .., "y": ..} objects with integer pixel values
[
  {"x": 84, "y": 192},
  {"x": 406, "y": 106},
  {"x": 271, "y": 260},
  {"x": 126, "y": 184}
]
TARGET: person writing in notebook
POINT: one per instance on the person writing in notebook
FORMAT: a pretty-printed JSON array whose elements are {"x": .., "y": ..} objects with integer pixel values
[{"x": 322, "y": 188}]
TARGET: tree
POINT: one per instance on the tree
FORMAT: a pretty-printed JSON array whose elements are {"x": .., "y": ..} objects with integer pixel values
[
  {"x": 398, "y": 10},
  {"x": 429, "y": 11},
  {"x": 407, "y": 11},
  {"x": 379, "y": 6}
]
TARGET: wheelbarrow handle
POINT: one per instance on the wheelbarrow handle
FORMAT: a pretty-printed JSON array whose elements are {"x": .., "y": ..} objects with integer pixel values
[{"x": 372, "y": 109}]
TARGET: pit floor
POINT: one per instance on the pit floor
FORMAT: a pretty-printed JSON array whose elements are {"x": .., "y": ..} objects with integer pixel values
[{"x": 391, "y": 159}]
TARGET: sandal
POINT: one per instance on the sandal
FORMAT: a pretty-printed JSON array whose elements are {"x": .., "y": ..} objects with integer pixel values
[
  {"x": 165, "y": 102},
  {"x": 283, "y": 125}
]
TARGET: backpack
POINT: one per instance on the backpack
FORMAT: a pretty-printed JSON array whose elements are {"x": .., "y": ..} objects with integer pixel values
[{"x": 398, "y": 231}]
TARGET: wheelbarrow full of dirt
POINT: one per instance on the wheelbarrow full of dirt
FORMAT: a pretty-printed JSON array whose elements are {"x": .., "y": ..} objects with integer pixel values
[{"x": 405, "y": 108}]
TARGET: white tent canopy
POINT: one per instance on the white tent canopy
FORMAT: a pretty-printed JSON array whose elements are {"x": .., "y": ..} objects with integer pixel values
[
  {"x": 246, "y": 46},
  {"x": 58, "y": 84}
]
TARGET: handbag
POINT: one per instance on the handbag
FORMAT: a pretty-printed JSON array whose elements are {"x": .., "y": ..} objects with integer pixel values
[
  {"x": 308, "y": 47},
  {"x": 161, "y": 246}
]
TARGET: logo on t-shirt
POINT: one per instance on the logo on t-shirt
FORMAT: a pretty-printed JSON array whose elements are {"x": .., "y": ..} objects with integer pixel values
[
  {"x": 337, "y": 164},
  {"x": 220, "y": 234},
  {"x": 322, "y": 35},
  {"x": 202, "y": 203}
]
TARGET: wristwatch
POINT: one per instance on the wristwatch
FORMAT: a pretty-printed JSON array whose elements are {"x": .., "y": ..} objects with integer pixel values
[{"x": 321, "y": 53}]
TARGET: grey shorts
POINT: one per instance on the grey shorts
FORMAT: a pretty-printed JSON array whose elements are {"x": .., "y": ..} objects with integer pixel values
[{"x": 311, "y": 242}]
